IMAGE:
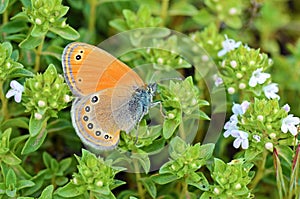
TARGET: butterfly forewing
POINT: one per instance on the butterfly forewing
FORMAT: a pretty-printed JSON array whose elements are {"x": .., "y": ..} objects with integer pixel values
[{"x": 89, "y": 69}]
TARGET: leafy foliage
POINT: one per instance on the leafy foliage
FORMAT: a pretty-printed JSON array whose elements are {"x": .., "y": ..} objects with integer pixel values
[{"x": 255, "y": 48}]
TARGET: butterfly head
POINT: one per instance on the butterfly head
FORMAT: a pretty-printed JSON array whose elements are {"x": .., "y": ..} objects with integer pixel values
[{"x": 151, "y": 88}]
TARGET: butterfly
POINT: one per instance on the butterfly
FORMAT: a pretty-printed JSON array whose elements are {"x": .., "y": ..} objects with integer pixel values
[{"x": 110, "y": 96}]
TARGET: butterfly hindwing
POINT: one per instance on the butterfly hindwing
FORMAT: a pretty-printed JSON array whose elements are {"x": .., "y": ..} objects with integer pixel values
[{"x": 93, "y": 121}]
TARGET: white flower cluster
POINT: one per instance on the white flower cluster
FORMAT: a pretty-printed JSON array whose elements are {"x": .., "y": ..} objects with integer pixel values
[
  {"x": 258, "y": 77},
  {"x": 241, "y": 137}
]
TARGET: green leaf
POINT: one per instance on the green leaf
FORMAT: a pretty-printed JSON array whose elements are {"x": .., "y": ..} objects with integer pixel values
[
  {"x": 47, "y": 159},
  {"x": 24, "y": 183},
  {"x": 11, "y": 178},
  {"x": 201, "y": 184},
  {"x": 164, "y": 178},
  {"x": 169, "y": 127},
  {"x": 20, "y": 72},
  {"x": 11, "y": 183},
  {"x": 21, "y": 122},
  {"x": 4, "y": 139},
  {"x": 150, "y": 186},
  {"x": 65, "y": 164},
  {"x": 66, "y": 32},
  {"x": 36, "y": 126},
  {"x": 38, "y": 31},
  {"x": 34, "y": 143},
  {"x": 118, "y": 24},
  {"x": 203, "y": 17},
  {"x": 177, "y": 147},
  {"x": 58, "y": 125},
  {"x": 281, "y": 187},
  {"x": 286, "y": 153},
  {"x": 28, "y": 56},
  {"x": 234, "y": 22},
  {"x": 11, "y": 159},
  {"x": 69, "y": 190},
  {"x": 2, "y": 188},
  {"x": 206, "y": 151},
  {"x": 47, "y": 192},
  {"x": 31, "y": 42},
  {"x": 143, "y": 160},
  {"x": 14, "y": 26},
  {"x": 182, "y": 8},
  {"x": 3, "y": 5}
]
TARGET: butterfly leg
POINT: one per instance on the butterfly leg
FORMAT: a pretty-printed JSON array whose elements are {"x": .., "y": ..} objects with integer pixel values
[{"x": 153, "y": 104}]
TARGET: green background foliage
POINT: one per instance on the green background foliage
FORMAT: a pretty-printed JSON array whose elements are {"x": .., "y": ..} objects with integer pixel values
[{"x": 41, "y": 155}]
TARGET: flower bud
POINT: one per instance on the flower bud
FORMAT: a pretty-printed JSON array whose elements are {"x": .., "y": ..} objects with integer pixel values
[{"x": 269, "y": 146}]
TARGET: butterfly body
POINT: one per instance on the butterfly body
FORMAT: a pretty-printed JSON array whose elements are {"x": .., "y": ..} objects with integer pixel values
[{"x": 110, "y": 97}]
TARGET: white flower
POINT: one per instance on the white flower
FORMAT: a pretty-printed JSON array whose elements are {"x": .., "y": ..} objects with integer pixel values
[
  {"x": 241, "y": 139},
  {"x": 240, "y": 109},
  {"x": 257, "y": 138},
  {"x": 258, "y": 77},
  {"x": 289, "y": 124},
  {"x": 228, "y": 45},
  {"x": 271, "y": 90},
  {"x": 287, "y": 108},
  {"x": 231, "y": 125},
  {"x": 16, "y": 90},
  {"x": 218, "y": 80}
]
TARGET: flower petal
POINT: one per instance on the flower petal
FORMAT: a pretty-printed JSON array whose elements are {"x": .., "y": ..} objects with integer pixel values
[
  {"x": 293, "y": 130},
  {"x": 222, "y": 53},
  {"x": 10, "y": 93},
  {"x": 245, "y": 144},
  {"x": 237, "y": 143},
  {"x": 284, "y": 128},
  {"x": 18, "y": 97},
  {"x": 252, "y": 81}
]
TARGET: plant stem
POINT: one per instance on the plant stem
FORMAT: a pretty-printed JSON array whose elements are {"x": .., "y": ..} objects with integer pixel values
[
  {"x": 38, "y": 56},
  {"x": 91, "y": 195},
  {"x": 164, "y": 11},
  {"x": 4, "y": 102},
  {"x": 4, "y": 21},
  {"x": 260, "y": 170},
  {"x": 184, "y": 192},
  {"x": 141, "y": 191},
  {"x": 92, "y": 16}
]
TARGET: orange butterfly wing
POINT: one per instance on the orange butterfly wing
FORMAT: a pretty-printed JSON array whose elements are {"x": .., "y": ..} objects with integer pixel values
[{"x": 89, "y": 69}]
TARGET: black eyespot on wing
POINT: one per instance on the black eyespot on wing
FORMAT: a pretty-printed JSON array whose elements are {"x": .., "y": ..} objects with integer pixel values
[
  {"x": 98, "y": 133},
  {"x": 87, "y": 108},
  {"x": 95, "y": 99},
  {"x": 85, "y": 118},
  {"x": 106, "y": 137},
  {"x": 90, "y": 125},
  {"x": 78, "y": 57}
]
